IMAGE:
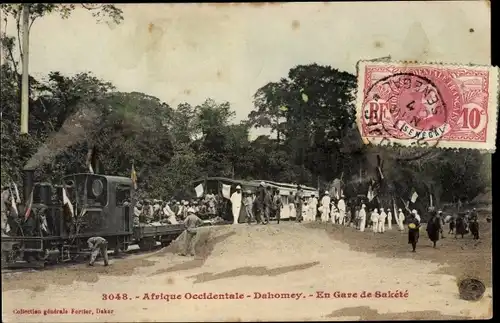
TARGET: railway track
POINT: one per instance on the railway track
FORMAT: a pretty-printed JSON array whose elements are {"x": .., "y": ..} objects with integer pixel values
[{"x": 25, "y": 267}]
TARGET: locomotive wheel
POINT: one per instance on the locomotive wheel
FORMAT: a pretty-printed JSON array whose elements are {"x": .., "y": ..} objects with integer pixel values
[
  {"x": 167, "y": 241},
  {"x": 147, "y": 244}
]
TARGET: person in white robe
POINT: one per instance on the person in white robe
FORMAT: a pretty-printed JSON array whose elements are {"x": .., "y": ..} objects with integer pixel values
[
  {"x": 362, "y": 218},
  {"x": 389, "y": 219},
  {"x": 374, "y": 219},
  {"x": 306, "y": 206},
  {"x": 306, "y": 215},
  {"x": 169, "y": 214},
  {"x": 180, "y": 209},
  {"x": 342, "y": 210},
  {"x": 381, "y": 221},
  {"x": 325, "y": 207},
  {"x": 313, "y": 207},
  {"x": 137, "y": 213},
  {"x": 401, "y": 220},
  {"x": 292, "y": 211},
  {"x": 236, "y": 204}
]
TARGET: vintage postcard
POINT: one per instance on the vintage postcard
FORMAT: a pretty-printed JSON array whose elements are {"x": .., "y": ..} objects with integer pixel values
[{"x": 247, "y": 161}]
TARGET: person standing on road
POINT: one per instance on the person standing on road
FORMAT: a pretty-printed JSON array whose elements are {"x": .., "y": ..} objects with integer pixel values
[
  {"x": 313, "y": 208},
  {"x": 192, "y": 222},
  {"x": 374, "y": 219},
  {"x": 342, "y": 209},
  {"x": 236, "y": 204},
  {"x": 434, "y": 228},
  {"x": 356, "y": 218},
  {"x": 413, "y": 230},
  {"x": 440, "y": 216},
  {"x": 474, "y": 225},
  {"x": 98, "y": 245},
  {"x": 401, "y": 220},
  {"x": 381, "y": 221},
  {"x": 247, "y": 203},
  {"x": 291, "y": 207},
  {"x": 258, "y": 203},
  {"x": 325, "y": 207},
  {"x": 268, "y": 204},
  {"x": 278, "y": 205},
  {"x": 389, "y": 219},
  {"x": 298, "y": 204},
  {"x": 362, "y": 218}
]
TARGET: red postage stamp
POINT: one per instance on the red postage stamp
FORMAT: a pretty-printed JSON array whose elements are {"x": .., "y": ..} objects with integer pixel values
[{"x": 446, "y": 106}]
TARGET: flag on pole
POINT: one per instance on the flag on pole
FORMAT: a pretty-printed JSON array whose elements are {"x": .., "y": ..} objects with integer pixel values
[
  {"x": 226, "y": 191},
  {"x": 380, "y": 164},
  {"x": 396, "y": 215},
  {"x": 16, "y": 191},
  {"x": 414, "y": 196},
  {"x": 133, "y": 176},
  {"x": 370, "y": 195},
  {"x": 67, "y": 203},
  {"x": 13, "y": 203},
  {"x": 29, "y": 205},
  {"x": 90, "y": 154},
  {"x": 380, "y": 172},
  {"x": 199, "y": 190}
]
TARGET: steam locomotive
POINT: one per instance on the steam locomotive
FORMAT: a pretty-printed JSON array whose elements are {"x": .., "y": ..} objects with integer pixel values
[{"x": 102, "y": 206}]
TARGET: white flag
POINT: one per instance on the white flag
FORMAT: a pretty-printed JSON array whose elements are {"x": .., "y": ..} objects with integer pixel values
[
  {"x": 13, "y": 204},
  {"x": 67, "y": 202},
  {"x": 414, "y": 197},
  {"x": 199, "y": 190},
  {"x": 226, "y": 191},
  {"x": 396, "y": 214},
  {"x": 370, "y": 194},
  {"x": 16, "y": 191}
]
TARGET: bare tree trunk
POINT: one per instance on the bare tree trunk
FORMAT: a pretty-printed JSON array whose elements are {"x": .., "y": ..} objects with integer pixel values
[{"x": 25, "y": 76}]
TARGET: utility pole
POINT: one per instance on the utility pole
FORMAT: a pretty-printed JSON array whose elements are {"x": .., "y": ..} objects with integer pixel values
[{"x": 25, "y": 77}]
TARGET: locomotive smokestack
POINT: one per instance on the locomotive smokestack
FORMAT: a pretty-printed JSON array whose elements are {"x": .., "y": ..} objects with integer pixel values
[{"x": 28, "y": 182}]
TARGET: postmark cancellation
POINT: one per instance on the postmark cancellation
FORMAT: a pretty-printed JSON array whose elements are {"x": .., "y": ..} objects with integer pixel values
[{"x": 431, "y": 105}]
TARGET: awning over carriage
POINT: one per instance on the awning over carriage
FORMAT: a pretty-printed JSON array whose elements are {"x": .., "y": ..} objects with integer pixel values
[{"x": 214, "y": 184}]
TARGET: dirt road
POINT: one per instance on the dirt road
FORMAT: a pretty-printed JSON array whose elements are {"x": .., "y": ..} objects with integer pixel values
[{"x": 287, "y": 260}]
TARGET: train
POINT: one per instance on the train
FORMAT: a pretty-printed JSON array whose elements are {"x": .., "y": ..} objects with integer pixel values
[{"x": 101, "y": 205}]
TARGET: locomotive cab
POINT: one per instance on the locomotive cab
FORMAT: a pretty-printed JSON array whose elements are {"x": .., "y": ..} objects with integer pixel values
[{"x": 102, "y": 204}]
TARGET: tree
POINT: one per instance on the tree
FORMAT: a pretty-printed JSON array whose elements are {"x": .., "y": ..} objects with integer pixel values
[
  {"x": 311, "y": 110},
  {"x": 29, "y": 14},
  {"x": 40, "y": 10}
]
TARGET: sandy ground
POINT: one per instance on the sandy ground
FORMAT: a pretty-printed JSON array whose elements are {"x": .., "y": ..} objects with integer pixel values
[{"x": 286, "y": 258}]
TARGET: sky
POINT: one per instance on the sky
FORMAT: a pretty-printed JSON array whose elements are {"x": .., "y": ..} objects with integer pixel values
[{"x": 191, "y": 52}]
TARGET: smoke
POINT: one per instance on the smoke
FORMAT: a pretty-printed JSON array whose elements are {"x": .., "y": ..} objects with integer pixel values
[{"x": 73, "y": 131}]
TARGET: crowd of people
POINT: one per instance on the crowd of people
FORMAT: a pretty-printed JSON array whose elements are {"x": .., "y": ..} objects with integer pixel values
[{"x": 173, "y": 211}]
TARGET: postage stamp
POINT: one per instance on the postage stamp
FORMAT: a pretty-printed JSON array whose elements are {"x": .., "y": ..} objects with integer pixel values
[
  {"x": 183, "y": 162},
  {"x": 432, "y": 105}
]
